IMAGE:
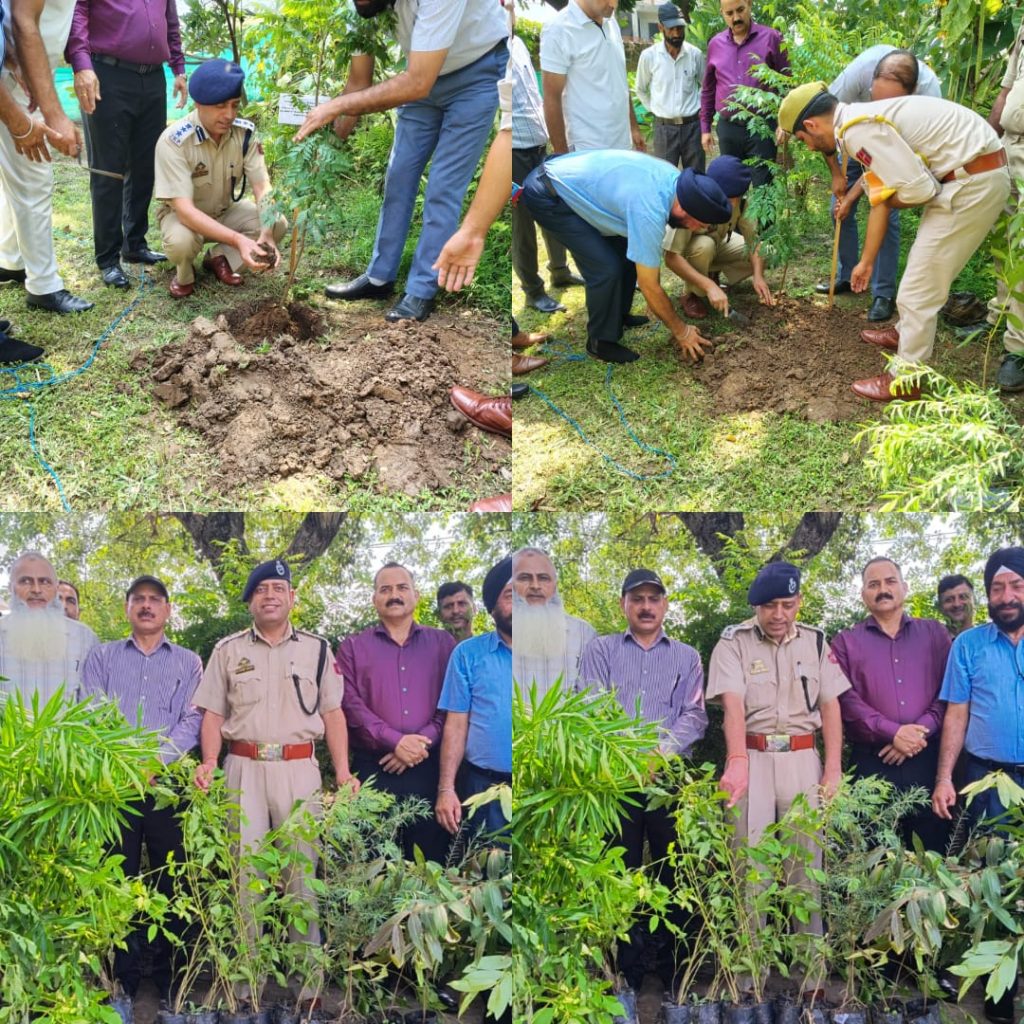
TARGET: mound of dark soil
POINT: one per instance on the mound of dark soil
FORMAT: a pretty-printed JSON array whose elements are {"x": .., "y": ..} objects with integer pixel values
[{"x": 370, "y": 397}]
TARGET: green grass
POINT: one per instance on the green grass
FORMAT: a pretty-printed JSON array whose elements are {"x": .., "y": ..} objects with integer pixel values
[
  {"x": 111, "y": 444},
  {"x": 750, "y": 461}
]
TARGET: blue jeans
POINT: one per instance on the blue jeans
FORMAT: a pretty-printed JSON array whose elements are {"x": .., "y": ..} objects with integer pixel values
[
  {"x": 488, "y": 818},
  {"x": 610, "y": 277},
  {"x": 449, "y": 128},
  {"x": 883, "y": 278}
]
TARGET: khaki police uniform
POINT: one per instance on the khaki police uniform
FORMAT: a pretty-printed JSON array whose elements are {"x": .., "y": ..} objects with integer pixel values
[
  {"x": 919, "y": 149},
  {"x": 253, "y": 684},
  {"x": 723, "y": 248},
  {"x": 783, "y": 686},
  {"x": 1012, "y": 123},
  {"x": 190, "y": 165}
]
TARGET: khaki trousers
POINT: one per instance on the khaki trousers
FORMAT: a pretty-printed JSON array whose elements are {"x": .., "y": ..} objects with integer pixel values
[
  {"x": 1013, "y": 339},
  {"x": 775, "y": 781},
  {"x": 954, "y": 224},
  {"x": 267, "y": 792},
  {"x": 182, "y": 245},
  {"x": 729, "y": 258}
]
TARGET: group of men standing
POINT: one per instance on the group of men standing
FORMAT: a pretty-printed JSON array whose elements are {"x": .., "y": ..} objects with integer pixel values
[
  {"x": 915, "y": 699},
  {"x": 425, "y": 712}
]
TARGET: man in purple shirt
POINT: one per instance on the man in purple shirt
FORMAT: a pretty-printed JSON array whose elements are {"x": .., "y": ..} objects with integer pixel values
[
  {"x": 153, "y": 681},
  {"x": 892, "y": 713},
  {"x": 118, "y": 49},
  {"x": 731, "y": 55},
  {"x": 644, "y": 664},
  {"x": 393, "y": 673}
]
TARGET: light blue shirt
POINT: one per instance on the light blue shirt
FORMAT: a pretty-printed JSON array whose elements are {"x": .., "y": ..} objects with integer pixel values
[
  {"x": 478, "y": 682},
  {"x": 619, "y": 192},
  {"x": 986, "y": 670}
]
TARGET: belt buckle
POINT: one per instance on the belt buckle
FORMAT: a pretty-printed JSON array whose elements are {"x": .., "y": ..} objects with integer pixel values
[
  {"x": 270, "y": 751},
  {"x": 777, "y": 743}
]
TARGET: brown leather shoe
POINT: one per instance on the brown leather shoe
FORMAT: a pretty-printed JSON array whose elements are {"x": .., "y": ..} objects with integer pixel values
[
  {"x": 179, "y": 290},
  {"x": 694, "y": 306},
  {"x": 527, "y": 364},
  {"x": 879, "y": 389},
  {"x": 523, "y": 340},
  {"x": 222, "y": 270},
  {"x": 885, "y": 337},
  {"x": 500, "y": 503},
  {"x": 493, "y": 414}
]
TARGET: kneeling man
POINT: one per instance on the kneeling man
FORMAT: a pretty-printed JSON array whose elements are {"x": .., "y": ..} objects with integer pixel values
[{"x": 202, "y": 165}]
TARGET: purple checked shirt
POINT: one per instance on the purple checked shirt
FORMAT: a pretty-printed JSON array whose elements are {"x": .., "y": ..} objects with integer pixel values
[
  {"x": 894, "y": 681},
  {"x": 157, "y": 688},
  {"x": 729, "y": 65},
  {"x": 138, "y": 31},
  {"x": 391, "y": 691}
]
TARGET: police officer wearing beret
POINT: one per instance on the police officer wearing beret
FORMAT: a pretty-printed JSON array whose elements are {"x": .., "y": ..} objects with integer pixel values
[
  {"x": 778, "y": 683},
  {"x": 269, "y": 692},
  {"x": 203, "y": 163}
]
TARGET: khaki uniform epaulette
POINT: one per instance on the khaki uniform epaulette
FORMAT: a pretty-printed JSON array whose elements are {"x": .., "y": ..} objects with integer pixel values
[
  {"x": 729, "y": 633},
  {"x": 233, "y": 636}
]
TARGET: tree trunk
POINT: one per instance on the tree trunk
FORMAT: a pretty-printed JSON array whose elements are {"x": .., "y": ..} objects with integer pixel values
[
  {"x": 711, "y": 531},
  {"x": 812, "y": 533},
  {"x": 314, "y": 535}
]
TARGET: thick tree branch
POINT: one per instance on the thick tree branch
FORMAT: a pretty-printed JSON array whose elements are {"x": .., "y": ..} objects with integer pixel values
[
  {"x": 314, "y": 535},
  {"x": 711, "y": 531},
  {"x": 812, "y": 533},
  {"x": 211, "y": 533}
]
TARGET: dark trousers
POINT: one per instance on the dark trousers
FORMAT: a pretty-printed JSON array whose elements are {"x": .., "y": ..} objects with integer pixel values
[
  {"x": 610, "y": 277},
  {"x": 735, "y": 139},
  {"x": 524, "y": 231},
  {"x": 987, "y": 807},
  {"x": 420, "y": 781},
  {"x": 915, "y": 771},
  {"x": 679, "y": 144},
  {"x": 883, "y": 277},
  {"x": 160, "y": 831},
  {"x": 121, "y": 136},
  {"x": 489, "y": 819}
]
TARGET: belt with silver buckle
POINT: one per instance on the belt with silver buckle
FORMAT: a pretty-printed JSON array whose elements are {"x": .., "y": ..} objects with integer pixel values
[
  {"x": 779, "y": 742},
  {"x": 271, "y": 751}
]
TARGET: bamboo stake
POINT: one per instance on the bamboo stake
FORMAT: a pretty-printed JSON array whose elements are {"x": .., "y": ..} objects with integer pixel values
[{"x": 835, "y": 242}]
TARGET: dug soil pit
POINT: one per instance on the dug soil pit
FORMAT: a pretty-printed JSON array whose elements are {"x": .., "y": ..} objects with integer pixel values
[
  {"x": 277, "y": 393},
  {"x": 793, "y": 358}
]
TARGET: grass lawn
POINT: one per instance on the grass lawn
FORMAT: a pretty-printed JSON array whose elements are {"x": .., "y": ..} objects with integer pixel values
[
  {"x": 752, "y": 460},
  {"x": 113, "y": 446}
]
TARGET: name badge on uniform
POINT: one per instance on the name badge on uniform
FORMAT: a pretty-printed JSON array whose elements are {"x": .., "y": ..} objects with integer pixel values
[
  {"x": 200, "y": 170},
  {"x": 244, "y": 665},
  {"x": 757, "y": 667}
]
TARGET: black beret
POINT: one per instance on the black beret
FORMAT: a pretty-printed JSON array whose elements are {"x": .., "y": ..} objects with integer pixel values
[
  {"x": 216, "y": 81},
  {"x": 702, "y": 198},
  {"x": 731, "y": 173},
  {"x": 275, "y": 570},
  {"x": 1012, "y": 558},
  {"x": 496, "y": 581},
  {"x": 775, "y": 580}
]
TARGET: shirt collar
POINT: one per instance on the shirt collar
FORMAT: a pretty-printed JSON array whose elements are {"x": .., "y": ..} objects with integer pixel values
[
  {"x": 662, "y": 637},
  {"x": 381, "y": 630},
  {"x": 131, "y": 642},
  {"x": 754, "y": 26},
  {"x": 762, "y": 635},
  {"x": 872, "y": 623},
  {"x": 255, "y": 634},
  {"x": 580, "y": 16},
  {"x": 494, "y": 641}
]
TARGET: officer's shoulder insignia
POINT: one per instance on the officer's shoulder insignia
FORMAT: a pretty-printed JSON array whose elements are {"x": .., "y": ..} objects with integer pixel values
[
  {"x": 181, "y": 132},
  {"x": 810, "y": 628},
  {"x": 306, "y": 632},
  {"x": 244, "y": 665},
  {"x": 229, "y": 638},
  {"x": 241, "y": 122},
  {"x": 731, "y": 632},
  {"x": 862, "y": 156}
]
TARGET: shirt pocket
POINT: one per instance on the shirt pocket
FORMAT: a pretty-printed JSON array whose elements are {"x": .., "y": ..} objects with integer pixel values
[
  {"x": 305, "y": 693},
  {"x": 244, "y": 691},
  {"x": 762, "y": 692},
  {"x": 171, "y": 699},
  {"x": 804, "y": 700}
]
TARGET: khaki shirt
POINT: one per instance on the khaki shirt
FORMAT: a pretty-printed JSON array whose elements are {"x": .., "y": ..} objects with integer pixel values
[
  {"x": 252, "y": 684},
  {"x": 737, "y": 222},
  {"x": 676, "y": 240},
  {"x": 1012, "y": 119},
  {"x": 190, "y": 165},
  {"x": 768, "y": 676}
]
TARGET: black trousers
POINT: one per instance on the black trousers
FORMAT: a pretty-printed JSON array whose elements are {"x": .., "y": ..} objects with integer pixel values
[
  {"x": 419, "y": 781},
  {"x": 160, "y": 831},
  {"x": 121, "y": 136},
  {"x": 524, "y": 231},
  {"x": 679, "y": 144},
  {"x": 734, "y": 139},
  {"x": 915, "y": 771}
]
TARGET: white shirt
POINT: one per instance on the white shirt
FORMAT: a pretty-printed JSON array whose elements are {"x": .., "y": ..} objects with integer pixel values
[
  {"x": 45, "y": 678},
  {"x": 54, "y": 28},
  {"x": 595, "y": 102},
  {"x": 853, "y": 83},
  {"x": 467, "y": 29},
  {"x": 544, "y": 672},
  {"x": 528, "y": 127},
  {"x": 667, "y": 86}
]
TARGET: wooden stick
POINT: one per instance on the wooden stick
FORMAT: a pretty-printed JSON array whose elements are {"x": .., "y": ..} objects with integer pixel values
[{"x": 835, "y": 243}]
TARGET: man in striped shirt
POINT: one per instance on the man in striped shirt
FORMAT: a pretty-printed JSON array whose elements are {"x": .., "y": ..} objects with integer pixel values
[
  {"x": 153, "y": 681},
  {"x": 663, "y": 679}
]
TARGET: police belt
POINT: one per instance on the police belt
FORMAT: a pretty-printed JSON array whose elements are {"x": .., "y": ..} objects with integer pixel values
[
  {"x": 676, "y": 120},
  {"x": 980, "y": 164},
  {"x": 780, "y": 743},
  {"x": 139, "y": 69},
  {"x": 271, "y": 751}
]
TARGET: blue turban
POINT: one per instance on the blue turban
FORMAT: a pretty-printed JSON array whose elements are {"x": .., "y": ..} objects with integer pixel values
[
  {"x": 732, "y": 175},
  {"x": 216, "y": 81},
  {"x": 702, "y": 198}
]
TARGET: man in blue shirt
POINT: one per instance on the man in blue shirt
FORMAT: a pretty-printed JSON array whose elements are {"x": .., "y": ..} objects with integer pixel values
[
  {"x": 609, "y": 208},
  {"x": 477, "y": 694}
]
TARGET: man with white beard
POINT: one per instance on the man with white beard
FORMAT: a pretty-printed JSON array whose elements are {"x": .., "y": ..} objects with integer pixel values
[
  {"x": 548, "y": 642},
  {"x": 41, "y": 649}
]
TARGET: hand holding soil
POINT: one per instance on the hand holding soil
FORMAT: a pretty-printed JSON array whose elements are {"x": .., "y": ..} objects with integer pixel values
[
  {"x": 254, "y": 254},
  {"x": 268, "y": 253},
  {"x": 718, "y": 299},
  {"x": 691, "y": 344}
]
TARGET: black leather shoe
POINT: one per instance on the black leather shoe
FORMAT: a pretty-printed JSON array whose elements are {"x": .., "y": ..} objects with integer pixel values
[
  {"x": 842, "y": 287},
  {"x": 57, "y": 302},
  {"x": 545, "y": 304},
  {"x": 408, "y": 307},
  {"x": 567, "y": 279},
  {"x": 360, "y": 288},
  {"x": 881, "y": 309},
  {"x": 5, "y": 326},
  {"x": 11, "y": 275},
  {"x": 14, "y": 351},
  {"x": 520, "y": 390},
  {"x": 143, "y": 256},
  {"x": 116, "y": 277}
]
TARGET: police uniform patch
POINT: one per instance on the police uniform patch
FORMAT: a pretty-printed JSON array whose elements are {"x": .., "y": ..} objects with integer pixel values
[
  {"x": 862, "y": 156},
  {"x": 200, "y": 170},
  {"x": 279, "y": 568},
  {"x": 792, "y": 585},
  {"x": 244, "y": 665},
  {"x": 757, "y": 667},
  {"x": 182, "y": 132}
]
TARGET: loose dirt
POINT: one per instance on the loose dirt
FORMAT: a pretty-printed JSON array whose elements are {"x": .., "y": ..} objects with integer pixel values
[{"x": 279, "y": 392}]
